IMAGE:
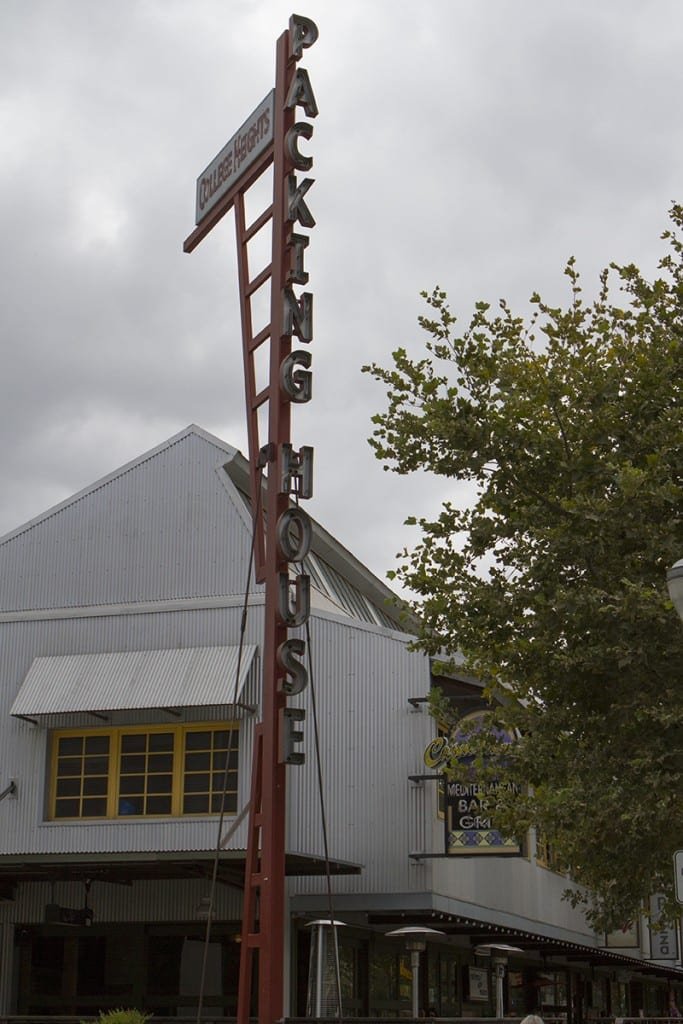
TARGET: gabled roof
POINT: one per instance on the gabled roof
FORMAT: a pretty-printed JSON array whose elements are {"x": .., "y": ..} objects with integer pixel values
[
  {"x": 172, "y": 524},
  {"x": 116, "y": 474},
  {"x": 166, "y": 526}
]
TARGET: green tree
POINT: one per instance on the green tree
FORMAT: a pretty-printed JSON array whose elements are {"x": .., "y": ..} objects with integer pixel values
[{"x": 552, "y": 581}]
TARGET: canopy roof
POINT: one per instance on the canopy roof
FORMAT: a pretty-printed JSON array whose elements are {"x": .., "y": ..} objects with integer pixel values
[{"x": 134, "y": 680}]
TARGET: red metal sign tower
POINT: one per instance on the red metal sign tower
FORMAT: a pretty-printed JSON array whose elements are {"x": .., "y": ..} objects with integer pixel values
[{"x": 280, "y": 474}]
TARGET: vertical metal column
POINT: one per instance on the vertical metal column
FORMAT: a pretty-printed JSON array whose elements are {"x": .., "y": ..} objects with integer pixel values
[
  {"x": 265, "y": 875},
  {"x": 249, "y": 905},
  {"x": 221, "y": 186}
]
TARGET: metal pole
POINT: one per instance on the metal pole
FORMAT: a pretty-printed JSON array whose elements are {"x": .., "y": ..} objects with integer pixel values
[
  {"x": 500, "y": 972},
  {"x": 415, "y": 969},
  {"x": 272, "y": 889},
  {"x": 319, "y": 974}
]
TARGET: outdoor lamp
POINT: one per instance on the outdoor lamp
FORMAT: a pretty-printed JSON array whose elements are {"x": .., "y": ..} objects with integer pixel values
[
  {"x": 674, "y": 581},
  {"x": 499, "y": 957},
  {"x": 415, "y": 937}
]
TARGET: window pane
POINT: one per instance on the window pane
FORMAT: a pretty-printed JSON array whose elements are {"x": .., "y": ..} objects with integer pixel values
[
  {"x": 47, "y": 965},
  {"x": 161, "y": 741},
  {"x": 163, "y": 964},
  {"x": 133, "y": 742},
  {"x": 230, "y": 803},
  {"x": 68, "y": 787},
  {"x": 220, "y": 782},
  {"x": 198, "y": 741},
  {"x": 197, "y": 762},
  {"x": 160, "y": 763},
  {"x": 67, "y": 808},
  {"x": 197, "y": 783},
  {"x": 95, "y": 786},
  {"x": 132, "y": 763},
  {"x": 160, "y": 784},
  {"x": 221, "y": 739},
  {"x": 92, "y": 952},
  {"x": 70, "y": 745},
  {"x": 69, "y": 766},
  {"x": 132, "y": 784},
  {"x": 196, "y": 805},
  {"x": 94, "y": 807},
  {"x": 159, "y": 805},
  {"x": 221, "y": 756},
  {"x": 131, "y": 805},
  {"x": 97, "y": 744},
  {"x": 96, "y": 766}
]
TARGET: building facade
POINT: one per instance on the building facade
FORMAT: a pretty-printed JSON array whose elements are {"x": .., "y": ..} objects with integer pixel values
[{"x": 130, "y": 632}]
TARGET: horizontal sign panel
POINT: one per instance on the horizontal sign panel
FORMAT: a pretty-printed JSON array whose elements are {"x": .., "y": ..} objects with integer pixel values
[{"x": 236, "y": 157}]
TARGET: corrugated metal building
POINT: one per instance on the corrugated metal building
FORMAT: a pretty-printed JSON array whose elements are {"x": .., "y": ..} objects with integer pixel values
[{"x": 128, "y": 697}]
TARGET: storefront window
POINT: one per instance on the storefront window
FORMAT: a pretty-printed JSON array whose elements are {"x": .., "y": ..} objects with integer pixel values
[
  {"x": 348, "y": 970},
  {"x": 534, "y": 991},
  {"x": 618, "y": 999},
  {"x": 442, "y": 984},
  {"x": 447, "y": 1000},
  {"x": 598, "y": 1005},
  {"x": 84, "y": 971},
  {"x": 390, "y": 983}
]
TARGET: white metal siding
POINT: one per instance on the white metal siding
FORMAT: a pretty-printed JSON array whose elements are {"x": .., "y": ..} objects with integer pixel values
[
  {"x": 173, "y": 900},
  {"x": 165, "y": 528},
  {"x": 24, "y": 750},
  {"x": 371, "y": 741}
]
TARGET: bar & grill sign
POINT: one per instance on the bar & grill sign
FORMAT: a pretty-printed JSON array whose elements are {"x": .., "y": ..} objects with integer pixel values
[{"x": 469, "y": 826}]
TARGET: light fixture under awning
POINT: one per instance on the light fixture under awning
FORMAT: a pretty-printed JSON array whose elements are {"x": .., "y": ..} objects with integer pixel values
[{"x": 134, "y": 681}]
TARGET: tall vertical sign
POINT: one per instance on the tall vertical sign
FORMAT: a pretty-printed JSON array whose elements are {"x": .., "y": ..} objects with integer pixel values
[
  {"x": 281, "y": 475},
  {"x": 663, "y": 940}
]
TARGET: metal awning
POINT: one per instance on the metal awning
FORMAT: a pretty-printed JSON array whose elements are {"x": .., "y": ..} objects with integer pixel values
[
  {"x": 478, "y": 932},
  {"x": 130, "y": 867},
  {"x": 134, "y": 681}
]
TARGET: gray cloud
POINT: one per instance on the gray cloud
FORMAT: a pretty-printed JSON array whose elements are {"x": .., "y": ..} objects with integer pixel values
[{"x": 475, "y": 146}]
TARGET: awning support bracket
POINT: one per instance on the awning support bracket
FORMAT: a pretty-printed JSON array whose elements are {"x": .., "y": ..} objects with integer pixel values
[{"x": 9, "y": 790}]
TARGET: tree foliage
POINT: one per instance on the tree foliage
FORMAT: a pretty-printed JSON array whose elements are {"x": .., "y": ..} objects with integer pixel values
[{"x": 552, "y": 581}]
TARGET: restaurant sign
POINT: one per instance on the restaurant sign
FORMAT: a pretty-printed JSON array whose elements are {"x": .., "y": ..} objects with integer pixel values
[
  {"x": 663, "y": 942},
  {"x": 469, "y": 826}
]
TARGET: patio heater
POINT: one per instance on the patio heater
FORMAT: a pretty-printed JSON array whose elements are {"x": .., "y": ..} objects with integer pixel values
[
  {"x": 499, "y": 954},
  {"x": 324, "y": 996},
  {"x": 415, "y": 937}
]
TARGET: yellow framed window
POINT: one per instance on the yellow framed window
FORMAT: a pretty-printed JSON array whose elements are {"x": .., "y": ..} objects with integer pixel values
[
  {"x": 209, "y": 769},
  {"x": 144, "y": 771},
  {"x": 81, "y": 775},
  {"x": 146, "y": 764}
]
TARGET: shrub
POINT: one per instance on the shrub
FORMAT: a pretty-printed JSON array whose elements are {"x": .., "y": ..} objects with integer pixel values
[{"x": 121, "y": 1016}]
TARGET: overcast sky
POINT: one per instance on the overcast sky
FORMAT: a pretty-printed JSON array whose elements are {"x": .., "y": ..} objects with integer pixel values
[{"x": 475, "y": 145}]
